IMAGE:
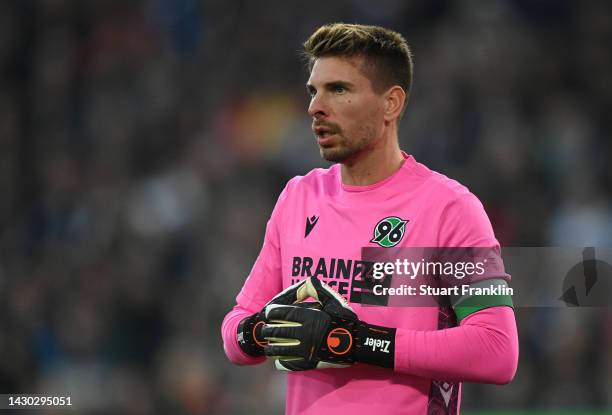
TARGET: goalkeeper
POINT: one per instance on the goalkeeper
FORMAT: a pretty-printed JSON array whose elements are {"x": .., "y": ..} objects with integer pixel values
[{"x": 351, "y": 357}]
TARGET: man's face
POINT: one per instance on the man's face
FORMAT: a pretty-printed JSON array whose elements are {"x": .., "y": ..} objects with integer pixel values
[{"x": 347, "y": 113}]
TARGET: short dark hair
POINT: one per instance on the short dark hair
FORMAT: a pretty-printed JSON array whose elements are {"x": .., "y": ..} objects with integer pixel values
[{"x": 386, "y": 53}]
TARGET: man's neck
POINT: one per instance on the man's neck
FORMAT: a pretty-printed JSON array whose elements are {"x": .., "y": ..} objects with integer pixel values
[{"x": 374, "y": 166}]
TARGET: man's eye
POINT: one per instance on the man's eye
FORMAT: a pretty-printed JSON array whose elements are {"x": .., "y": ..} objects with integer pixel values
[{"x": 339, "y": 89}]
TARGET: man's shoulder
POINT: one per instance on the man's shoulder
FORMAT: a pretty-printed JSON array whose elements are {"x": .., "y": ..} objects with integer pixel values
[
  {"x": 440, "y": 185},
  {"x": 315, "y": 180},
  {"x": 451, "y": 187}
]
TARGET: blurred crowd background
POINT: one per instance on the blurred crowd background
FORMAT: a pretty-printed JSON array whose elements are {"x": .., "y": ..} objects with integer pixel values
[{"x": 144, "y": 144}]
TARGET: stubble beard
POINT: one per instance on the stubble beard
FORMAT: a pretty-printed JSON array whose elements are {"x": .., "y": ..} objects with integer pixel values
[{"x": 344, "y": 150}]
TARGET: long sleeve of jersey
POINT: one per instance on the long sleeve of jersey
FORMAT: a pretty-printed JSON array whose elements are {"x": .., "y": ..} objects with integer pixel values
[
  {"x": 263, "y": 283},
  {"x": 484, "y": 348}
]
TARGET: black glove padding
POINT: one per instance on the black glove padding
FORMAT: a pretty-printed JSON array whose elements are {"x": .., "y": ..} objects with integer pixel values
[
  {"x": 249, "y": 337},
  {"x": 303, "y": 338},
  {"x": 249, "y": 334}
]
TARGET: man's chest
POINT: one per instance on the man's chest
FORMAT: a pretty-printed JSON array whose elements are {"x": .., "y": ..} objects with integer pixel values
[
  {"x": 336, "y": 243},
  {"x": 335, "y": 229}
]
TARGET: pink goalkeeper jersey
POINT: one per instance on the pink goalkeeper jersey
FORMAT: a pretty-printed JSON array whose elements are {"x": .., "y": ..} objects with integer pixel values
[{"x": 319, "y": 227}]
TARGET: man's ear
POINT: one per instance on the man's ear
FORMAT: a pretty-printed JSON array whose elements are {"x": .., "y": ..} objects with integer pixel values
[{"x": 394, "y": 102}]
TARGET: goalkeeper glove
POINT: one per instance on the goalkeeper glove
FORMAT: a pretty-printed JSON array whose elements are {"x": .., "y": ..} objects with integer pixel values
[
  {"x": 249, "y": 334},
  {"x": 250, "y": 339},
  {"x": 303, "y": 338}
]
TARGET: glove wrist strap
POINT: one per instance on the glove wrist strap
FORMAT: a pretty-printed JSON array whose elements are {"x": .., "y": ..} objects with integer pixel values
[
  {"x": 249, "y": 335},
  {"x": 376, "y": 345}
]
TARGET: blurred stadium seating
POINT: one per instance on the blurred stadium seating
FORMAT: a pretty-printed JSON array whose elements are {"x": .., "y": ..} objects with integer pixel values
[{"x": 144, "y": 145}]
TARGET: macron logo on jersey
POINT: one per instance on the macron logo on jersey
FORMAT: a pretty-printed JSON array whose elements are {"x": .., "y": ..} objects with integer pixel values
[{"x": 310, "y": 224}]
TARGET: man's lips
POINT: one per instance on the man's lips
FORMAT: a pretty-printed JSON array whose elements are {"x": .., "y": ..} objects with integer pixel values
[
  {"x": 324, "y": 134},
  {"x": 323, "y": 141}
]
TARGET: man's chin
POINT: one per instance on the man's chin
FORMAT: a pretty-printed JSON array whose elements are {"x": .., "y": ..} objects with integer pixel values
[{"x": 334, "y": 155}]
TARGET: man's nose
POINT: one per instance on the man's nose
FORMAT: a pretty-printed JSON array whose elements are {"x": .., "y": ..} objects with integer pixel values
[{"x": 317, "y": 107}]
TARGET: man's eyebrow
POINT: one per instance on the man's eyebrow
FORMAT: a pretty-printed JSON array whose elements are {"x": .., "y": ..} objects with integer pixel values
[{"x": 331, "y": 84}]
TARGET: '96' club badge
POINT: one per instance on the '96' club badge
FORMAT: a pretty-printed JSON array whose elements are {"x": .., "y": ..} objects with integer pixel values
[{"x": 389, "y": 231}]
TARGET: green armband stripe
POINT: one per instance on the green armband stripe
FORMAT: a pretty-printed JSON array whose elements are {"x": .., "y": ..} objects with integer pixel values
[
  {"x": 482, "y": 294},
  {"x": 480, "y": 302}
]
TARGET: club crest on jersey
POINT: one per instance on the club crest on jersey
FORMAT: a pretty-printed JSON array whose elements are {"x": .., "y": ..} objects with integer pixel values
[{"x": 389, "y": 231}]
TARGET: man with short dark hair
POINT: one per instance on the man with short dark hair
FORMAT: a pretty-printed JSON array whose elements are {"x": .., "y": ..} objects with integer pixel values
[{"x": 377, "y": 357}]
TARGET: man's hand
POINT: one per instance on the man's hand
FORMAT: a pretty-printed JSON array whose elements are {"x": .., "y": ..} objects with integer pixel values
[
  {"x": 250, "y": 339},
  {"x": 249, "y": 334},
  {"x": 329, "y": 336}
]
